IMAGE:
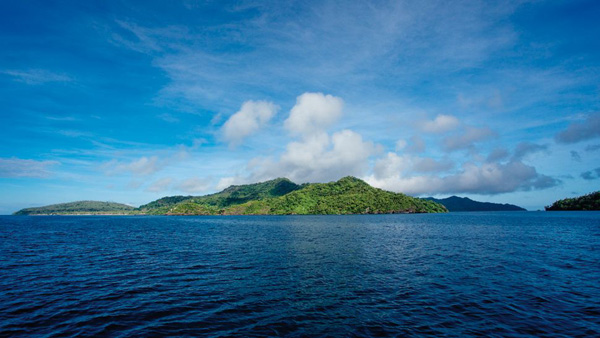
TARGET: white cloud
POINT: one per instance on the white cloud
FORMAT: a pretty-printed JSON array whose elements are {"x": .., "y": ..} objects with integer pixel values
[
  {"x": 316, "y": 158},
  {"x": 313, "y": 113},
  {"x": 441, "y": 124},
  {"x": 17, "y": 167},
  {"x": 487, "y": 178},
  {"x": 390, "y": 166},
  {"x": 248, "y": 120},
  {"x": 226, "y": 182},
  {"x": 393, "y": 165}
]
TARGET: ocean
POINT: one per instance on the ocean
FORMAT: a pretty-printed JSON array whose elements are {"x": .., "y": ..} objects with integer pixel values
[{"x": 514, "y": 274}]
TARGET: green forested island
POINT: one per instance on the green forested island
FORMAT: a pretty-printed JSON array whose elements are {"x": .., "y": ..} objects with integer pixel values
[
  {"x": 586, "y": 202},
  {"x": 280, "y": 196},
  {"x": 455, "y": 203},
  {"x": 79, "y": 208}
]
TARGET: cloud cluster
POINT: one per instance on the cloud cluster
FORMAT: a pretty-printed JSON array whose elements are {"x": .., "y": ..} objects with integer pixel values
[
  {"x": 248, "y": 120},
  {"x": 17, "y": 167},
  {"x": 320, "y": 157},
  {"x": 487, "y": 178},
  {"x": 314, "y": 155}
]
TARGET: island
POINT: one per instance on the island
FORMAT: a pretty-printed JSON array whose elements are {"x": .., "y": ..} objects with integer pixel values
[
  {"x": 280, "y": 196},
  {"x": 455, "y": 203},
  {"x": 587, "y": 202},
  {"x": 80, "y": 208}
]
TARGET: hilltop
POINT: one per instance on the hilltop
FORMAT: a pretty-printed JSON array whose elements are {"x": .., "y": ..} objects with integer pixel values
[
  {"x": 586, "y": 202},
  {"x": 235, "y": 194},
  {"x": 455, "y": 204},
  {"x": 349, "y": 195},
  {"x": 79, "y": 208},
  {"x": 281, "y": 196}
]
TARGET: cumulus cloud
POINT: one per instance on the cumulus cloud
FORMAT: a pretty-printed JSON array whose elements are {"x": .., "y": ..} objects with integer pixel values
[
  {"x": 525, "y": 148},
  {"x": 581, "y": 131},
  {"x": 17, "y": 167},
  {"x": 575, "y": 156},
  {"x": 488, "y": 178},
  {"x": 248, "y": 120},
  {"x": 315, "y": 158},
  {"x": 441, "y": 124},
  {"x": 468, "y": 138},
  {"x": 160, "y": 185},
  {"x": 313, "y": 113}
]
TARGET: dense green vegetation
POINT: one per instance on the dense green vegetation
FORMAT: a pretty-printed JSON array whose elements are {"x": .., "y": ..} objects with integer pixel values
[
  {"x": 587, "y": 202},
  {"x": 211, "y": 204},
  {"x": 79, "y": 208},
  {"x": 455, "y": 203},
  {"x": 349, "y": 195},
  {"x": 281, "y": 196}
]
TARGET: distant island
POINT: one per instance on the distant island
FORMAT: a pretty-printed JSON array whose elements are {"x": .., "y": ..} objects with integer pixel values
[
  {"x": 281, "y": 196},
  {"x": 79, "y": 208},
  {"x": 585, "y": 203},
  {"x": 455, "y": 204}
]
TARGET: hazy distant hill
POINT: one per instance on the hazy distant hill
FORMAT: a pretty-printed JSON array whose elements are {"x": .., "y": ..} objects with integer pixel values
[
  {"x": 455, "y": 203},
  {"x": 79, "y": 207},
  {"x": 585, "y": 202}
]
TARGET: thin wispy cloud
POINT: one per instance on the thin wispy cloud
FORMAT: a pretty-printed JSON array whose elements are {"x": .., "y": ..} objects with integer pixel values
[
  {"x": 17, "y": 167},
  {"x": 36, "y": 76}
]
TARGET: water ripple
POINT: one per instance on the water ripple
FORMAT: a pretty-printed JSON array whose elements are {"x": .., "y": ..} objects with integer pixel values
[{"x": 456, "y": 275}]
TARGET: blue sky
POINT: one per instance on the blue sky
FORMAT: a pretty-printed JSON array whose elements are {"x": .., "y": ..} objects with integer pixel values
[{"x": 131, "y": 101}]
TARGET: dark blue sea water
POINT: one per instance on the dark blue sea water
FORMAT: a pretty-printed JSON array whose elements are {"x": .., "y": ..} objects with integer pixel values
[{"x": 462, "y": 274}]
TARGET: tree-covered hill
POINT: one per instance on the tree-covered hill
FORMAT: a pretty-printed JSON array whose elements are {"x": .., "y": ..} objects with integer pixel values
[
  {"x": 349, "y": 195},
  {"x": 280, "y": 196},
  {"x": 235, "y": 194},
  {"x": 79, "y": 207},
  {"x": 586, "y": 202},
  {"x": 455, "y": 203}
]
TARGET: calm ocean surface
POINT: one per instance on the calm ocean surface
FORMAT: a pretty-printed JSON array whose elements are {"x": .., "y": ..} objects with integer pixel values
[{"x": 462, "y": 274}]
